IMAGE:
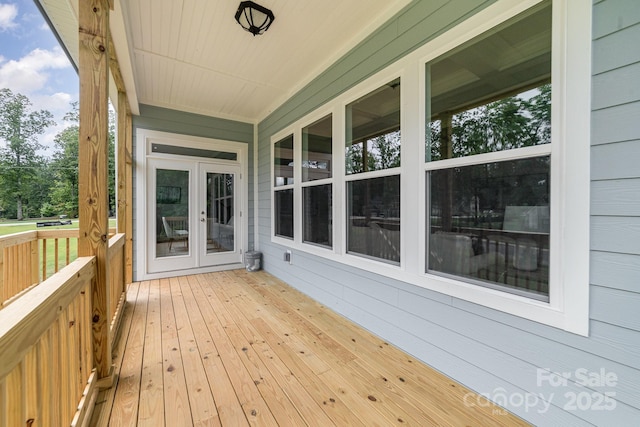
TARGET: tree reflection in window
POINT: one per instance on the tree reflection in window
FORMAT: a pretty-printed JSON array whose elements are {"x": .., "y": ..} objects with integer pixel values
[{"x": 522, "y": 120}]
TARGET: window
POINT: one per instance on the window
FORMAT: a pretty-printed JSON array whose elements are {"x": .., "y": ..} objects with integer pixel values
[
  {"x": 489, "y": 101},
  {"x": 317, "y": 210},
  {"x": 283, "y": 187},
  {"x": 373, "y": 148},
  {"x": 489, "y": 174}
]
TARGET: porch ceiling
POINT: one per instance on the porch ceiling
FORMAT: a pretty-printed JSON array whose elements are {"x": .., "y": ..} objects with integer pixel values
[{"x": 191, "y": 55}]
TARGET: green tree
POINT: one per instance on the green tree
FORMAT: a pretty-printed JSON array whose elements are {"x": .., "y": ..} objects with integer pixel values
[
  {"x": 111, "y": 177},
  {"x": 64, "y": 197},
  {"x": 386, "y": 150},
  {"x": 19, "y": 161}
]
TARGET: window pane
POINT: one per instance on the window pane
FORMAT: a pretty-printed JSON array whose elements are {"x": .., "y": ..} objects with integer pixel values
[
  {"x": 284, "y": 213},
  {"x": 316, "y": 211},
  {"x": 220, "y": 215},
  {"x": 316, "y": 150},
  {"x": 283, "y": 162},
  {"x": 493, "y": 93},
  {"x": 172, "y": 212},
  {"x": 490, "y": 223},
  {"x": 373, "y": 130},
  {"x": 373, "y": 218}
]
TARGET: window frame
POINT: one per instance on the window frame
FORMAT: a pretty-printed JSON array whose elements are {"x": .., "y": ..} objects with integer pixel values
[
  {"x": 568, "y": 306},
  {"x": 374, "y": 85},
  {"x": 571, "y": 83},
  {"x": 435, "y": 164},
  {"x": 274, "y": 140},
  {"x": 318, "y": 182}
]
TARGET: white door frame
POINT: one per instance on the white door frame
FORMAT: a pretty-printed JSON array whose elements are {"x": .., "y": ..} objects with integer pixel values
[
  {"x": 145, "y": 141},
  {"x": 235, "y": 254}
]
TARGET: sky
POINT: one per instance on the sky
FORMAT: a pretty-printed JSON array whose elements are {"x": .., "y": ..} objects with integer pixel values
[{"x": 33, "y": 64}]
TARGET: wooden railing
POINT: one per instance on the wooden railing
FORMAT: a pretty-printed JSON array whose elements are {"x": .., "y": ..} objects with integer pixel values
[
  {"x": 46, "y": 337},
  {"x": 46, "y": 363},
  {"x": 117, "y": 283},
  {"x": 19, "y": 264},
  {"x": 61, "y": 245},
  {"x": 30, "y": 257}
]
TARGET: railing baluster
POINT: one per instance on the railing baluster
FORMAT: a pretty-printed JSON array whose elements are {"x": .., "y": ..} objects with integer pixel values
[
  {"x": 31, "y": 383},
  {"x": 44, "y": 259},
  {"x": 55, "y": 243},
  {"x": 68, "y": 254}
]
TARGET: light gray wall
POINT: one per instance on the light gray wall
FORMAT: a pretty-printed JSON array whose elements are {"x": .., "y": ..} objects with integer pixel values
[
  {"x": 482, "y": 348},
  {"x": 180, "y": 122}
]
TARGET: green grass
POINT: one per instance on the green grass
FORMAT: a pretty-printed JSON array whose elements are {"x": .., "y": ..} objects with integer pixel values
[
  {"x": 11, "y": 227},
  {"x": 20, "y": 226},
  {"x": 62, "y": 254}
]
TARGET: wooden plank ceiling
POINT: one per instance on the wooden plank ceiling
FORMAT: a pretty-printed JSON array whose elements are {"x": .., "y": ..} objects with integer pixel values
[{"x": 191, "y": 55}]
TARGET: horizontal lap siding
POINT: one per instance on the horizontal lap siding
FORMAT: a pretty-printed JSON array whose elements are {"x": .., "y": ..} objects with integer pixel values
[
  {"x": 180, "y": 122},
  {"x": 615, "y": 172},
  {"x": 615, "y": 187},
  {"x": 484, "y": 349}
]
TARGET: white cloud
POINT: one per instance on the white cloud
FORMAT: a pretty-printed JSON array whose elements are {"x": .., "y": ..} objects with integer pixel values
[
  {"x": 58, "y": 104},
  {"x": 8, "y": 14},
  {"x": 29, "y": 74},
  {"x": 32, "y": 76}
]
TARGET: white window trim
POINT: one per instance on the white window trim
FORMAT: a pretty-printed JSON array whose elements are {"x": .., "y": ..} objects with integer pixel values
[
  {"x": 309, "y": 120},
  {"x": 568, "y": 306},
  {"x": 144, "y": 140},
  {"x": 292, "y": 131}
]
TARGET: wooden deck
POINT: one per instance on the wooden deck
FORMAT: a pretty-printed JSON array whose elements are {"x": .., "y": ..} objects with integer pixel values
[{"x": 236, "y": 348}]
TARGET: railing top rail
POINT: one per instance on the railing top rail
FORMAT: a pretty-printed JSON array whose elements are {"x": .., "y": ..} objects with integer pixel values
[
  {"x": 26, "y": 319},
  {"x": 116, "y": 242},
  {"x": 18, "y": 238},
  {"x": 59, "y": 234}
]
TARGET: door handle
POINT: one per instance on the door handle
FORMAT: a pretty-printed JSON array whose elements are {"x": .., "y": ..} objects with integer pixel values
[{"x": 202, "y": 219}]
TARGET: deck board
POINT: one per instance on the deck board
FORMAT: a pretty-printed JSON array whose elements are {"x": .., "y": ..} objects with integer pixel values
[
  {"x": 176, "y": 397},
  {"x": 238, "y": 348}
]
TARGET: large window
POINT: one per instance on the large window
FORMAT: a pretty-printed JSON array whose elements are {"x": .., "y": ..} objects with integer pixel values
[
  {"x": 488, "y": 210},
  {"x": 317, "y": 196},
  {"x": 373, "y": 201}
]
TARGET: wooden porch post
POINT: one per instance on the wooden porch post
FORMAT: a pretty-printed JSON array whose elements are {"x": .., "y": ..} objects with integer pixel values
[
  {"x": 125, "y": 164},
  {"x": 93, "y": 165}
]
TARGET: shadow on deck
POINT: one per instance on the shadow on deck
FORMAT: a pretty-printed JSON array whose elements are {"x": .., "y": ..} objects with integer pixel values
[{"x": 238, "y": 348}]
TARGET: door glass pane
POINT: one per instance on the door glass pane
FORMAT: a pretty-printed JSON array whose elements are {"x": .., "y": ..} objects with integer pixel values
[
  {"x": 220, "y": 213},
  {"x": 172, "y": 212}
]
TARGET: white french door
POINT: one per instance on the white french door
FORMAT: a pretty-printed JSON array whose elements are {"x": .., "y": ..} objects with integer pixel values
[
  {"x": 219, "y": 214},
  {"x": 193, "y": 214}
]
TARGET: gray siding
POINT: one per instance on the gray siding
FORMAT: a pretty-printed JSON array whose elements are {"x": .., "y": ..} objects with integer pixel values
[
  {"x": 484, "y": 349},
  {"x": 180, "y": 122}
]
